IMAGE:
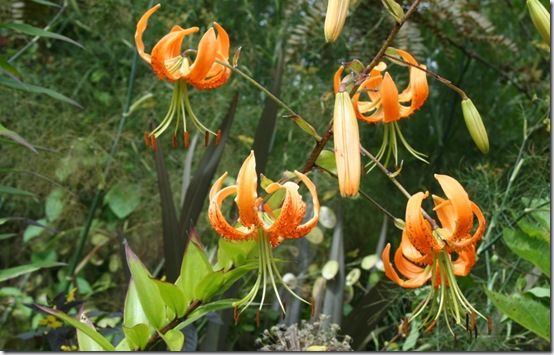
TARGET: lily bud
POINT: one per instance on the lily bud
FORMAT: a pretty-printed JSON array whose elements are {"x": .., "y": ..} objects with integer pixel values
[
  {"x": 475, "y": 125},
  {"x": 540, "y": 18},
  {"x": 334, "y": 19},
  {"x": 347, "y": 145}
]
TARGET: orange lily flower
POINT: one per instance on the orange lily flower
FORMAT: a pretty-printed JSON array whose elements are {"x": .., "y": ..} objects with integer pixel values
[
  {"x": 385, "y": 104},
  {"x": 426, "y": 252},
  {"x": 346, "y": 141},
  {"x": 257, "y": 221},
  {"x": 170, "y": 63}
]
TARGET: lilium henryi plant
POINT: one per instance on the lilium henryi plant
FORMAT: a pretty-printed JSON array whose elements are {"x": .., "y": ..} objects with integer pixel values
[
  {"x": 171, "y": 63},
  {"x": 258, "y": 221},
  {"x": 429, "y": 252},
  {"x": 385, "y": 104}
]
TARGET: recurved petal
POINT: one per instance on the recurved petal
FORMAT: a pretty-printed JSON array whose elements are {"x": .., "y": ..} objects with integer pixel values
[
  {"x": 417, "y": 281},
  {"x": 247, "y": 184},
  {"x": 464, "y": 263},
  {"x": 473, "y": 239},
  {"x": 461, "y": 211},
  {"x": 305, "y": 228},
  {"x": 418, "y": 229},
  {"x": 223, "y": 42},
  {"x": 407, "y": 268},
  {"x": 215, "y": 216},
  {"x": 141, "y": 27},
  {"x": 168, "y": 48},
  {"x": 205, "y": 57},
  {"x": 389, "y": 99},
  {"x": 292, "y": 212},
  {"x": 337, "y": 78},
  {"x": 411, "y": 253}
]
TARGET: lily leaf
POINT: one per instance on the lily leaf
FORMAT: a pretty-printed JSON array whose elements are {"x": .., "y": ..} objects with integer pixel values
[
  {"x": 35, "y": 31},
  {"x": 531, "y": 314},
  {"x": 326, "y": 160},
  {"x": 205, "y": 309},
  {"x": 7, "y": 274},
  {"x": 137, "y": 336},
  {"x": 530, "y": 247},
  {"x": 14, "y": 191},
  {"x": 87, "y": 330},
  {"x": 173, "y": 297},
  {"x": 85, "y": 342},
  {"x": 147, "y": 290},
  {"x": 174, "y": 339},
  {"x": 16, "y": 138},
  {"x": 37, "y": 90},
  {"x": 194, "y": 268}
]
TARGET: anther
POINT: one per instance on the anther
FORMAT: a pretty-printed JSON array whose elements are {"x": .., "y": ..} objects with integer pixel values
[
  {"x": 236, "y": 315},
  {"x": 257, "y": 318},
  {"x": 405, "y": 327},
  {"x": 153, "y": 143},
  {"x": 186, "y": 139},
  {"x": 312, "y": 307},
  {"x": 146, "y": 139},
  {"x": 206, "y": 139},
  {"x": 218, "y": 137},
  {"x": 431, "y": 326},
  {"x": 489, "y": 325},
  {"x": 174, "y": 141}
]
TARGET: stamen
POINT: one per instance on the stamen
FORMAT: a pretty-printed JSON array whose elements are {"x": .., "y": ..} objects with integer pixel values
[
  {"x": 431, "y": 326},
  {"x": 186, "y": 139},
  {"x": 153, "y": 143},
  {"x": 218, "y": 137},
  {"x": 489, "y": 325},
  {"x": 206, "y": 139},
  {"x": 146, "y": 139},
  {"x": 174, "y": 141}
]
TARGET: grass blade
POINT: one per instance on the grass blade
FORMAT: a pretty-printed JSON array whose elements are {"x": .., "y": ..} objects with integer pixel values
[
  {"x": 37, "y": 90},
  {"x": 35, "y": 31}
]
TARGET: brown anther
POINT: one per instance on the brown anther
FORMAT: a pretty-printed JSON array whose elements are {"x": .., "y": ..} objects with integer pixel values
[
  {"x": 236, "y": 315},
  {"x": 146, "y": 139},
  {"x": 206, "y": 139},
  {"x": 257, "y": 318},
  {"x": 186, "y": 139},
  {"x": 174, "y": 143},
  {"x": 489, "y": 325},
  {"x": 218, "y": 137},
  {"x": 153, "y": 143},
  {"x": 431, "y": 326},
  {"x": 405, "y": 327},
  {"x": 312, "y": 307}
]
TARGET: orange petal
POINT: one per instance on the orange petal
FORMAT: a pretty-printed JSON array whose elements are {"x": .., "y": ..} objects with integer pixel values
[
  {"x": 360, "y": 109},
  {"x": 292, "y": 213},
  {"x": 169, "y": 47},
  {"x": 411, "y": 253},
  {"x": 389, "y": 99},
  {"x": 418, "y": 229},
  {"x": 417, "y": 281},
  {"x": 461, "y": 216},
  {"x": 216, "y": 218},
  {"x": 141, "y": 27},
  {"x": 337, "y": 79},
  {"x": 305, "y": 228},
  {"x": 462, "y": 244},
  {"x": 205, "y": 57},
  {"x": 405, "y": 266},
  {"x": 247, "y": 184},
  {"x": 464, "y": 263},
  {"x": 418, "y": 81}
]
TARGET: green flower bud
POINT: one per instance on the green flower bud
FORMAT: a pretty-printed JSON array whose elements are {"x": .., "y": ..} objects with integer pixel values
[
  {"x": 475, "y": 125},
  {"x": 540, "y": 18}
]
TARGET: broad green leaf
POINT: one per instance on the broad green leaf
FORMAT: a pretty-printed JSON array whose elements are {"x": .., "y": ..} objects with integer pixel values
[
  {"x": 326, "y": 160},
  {"x": 35, "y": 31},
  {"x": 85, "y": 342},
  {"x": 531, "y": 248},
  {"x": 137, "y": 336},
  {"x": 411, "y": 339},
  {"x": 276, "y": 199},
  {"x": 173, "y": 297},
  {"x": 147, "y": 291},
  {"x": 34, "y": 230},
  {"x": 7, "y": 67},
  {"x": 90, "y": 332},
  {"x": 540, "y": 292},
  {"x": 54, "y": 204},
  {"x": 394, "y": 9},
  {"x": 205, "y": 309},
  {"x": 529, "y": 313},
  {"x": 123, "y": 345},
  {"x": 174, "y": 339},
  {"x": 306, "y": 127},
  {"x": 123, "y": 199},
  {"x": 219, "y": 281},
  {"x": 16, "y": 138},
  {"x": 37, "y": 90},
  {"x": 14, "y": 191},
  {"x": 133, "y": 313},
  {"x": 231, "y": 253},
  {"x": 194, "y": 268},
  {"x": 7, "y": 274}
]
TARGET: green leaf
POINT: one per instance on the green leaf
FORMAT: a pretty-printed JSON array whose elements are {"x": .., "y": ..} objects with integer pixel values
[
  {"x": 14, "y": 191},
  {"x": 47, "y": 3},
  {"x": 16, "y": 138},
  {"x": 7, "y": 274},
  {"x": 54, "y": 204},
  {"x": 37, "y": 90},
  {"x": 7, "y": 235},
  {"x": 133, "y": 312},
  {"x": 90, "y": 332},
  {"x": 173, "y": 297},
  {"x": 85, "y": 342},
  {"x": 219, "y": 281},
  {"x": 529, "y": 313},
  {"x": 123, "y": 345},
  {"x": 123, "y": 199},
  {"x": 7, "y": 67},
  {"x": 137, "y": 336},
  {"x": 232, "y": 253},
  {"x": 540, "y": 292},
  {"x": 174, "y": 339},
  {"x": 326, "y": 160},
  {"x": 394, "y": 9},
  {"x": 194, "y": 268},
  {"x": 411, "y": 339},
  {"x": 205, "y": 309},
  {"x": 35, "y": 31},
  {"x": 306, "y": 127},
  {"x": 34, "y": 230},
  {"x": 147, "y": 291},
  {"x": 531, "y": 248}
]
